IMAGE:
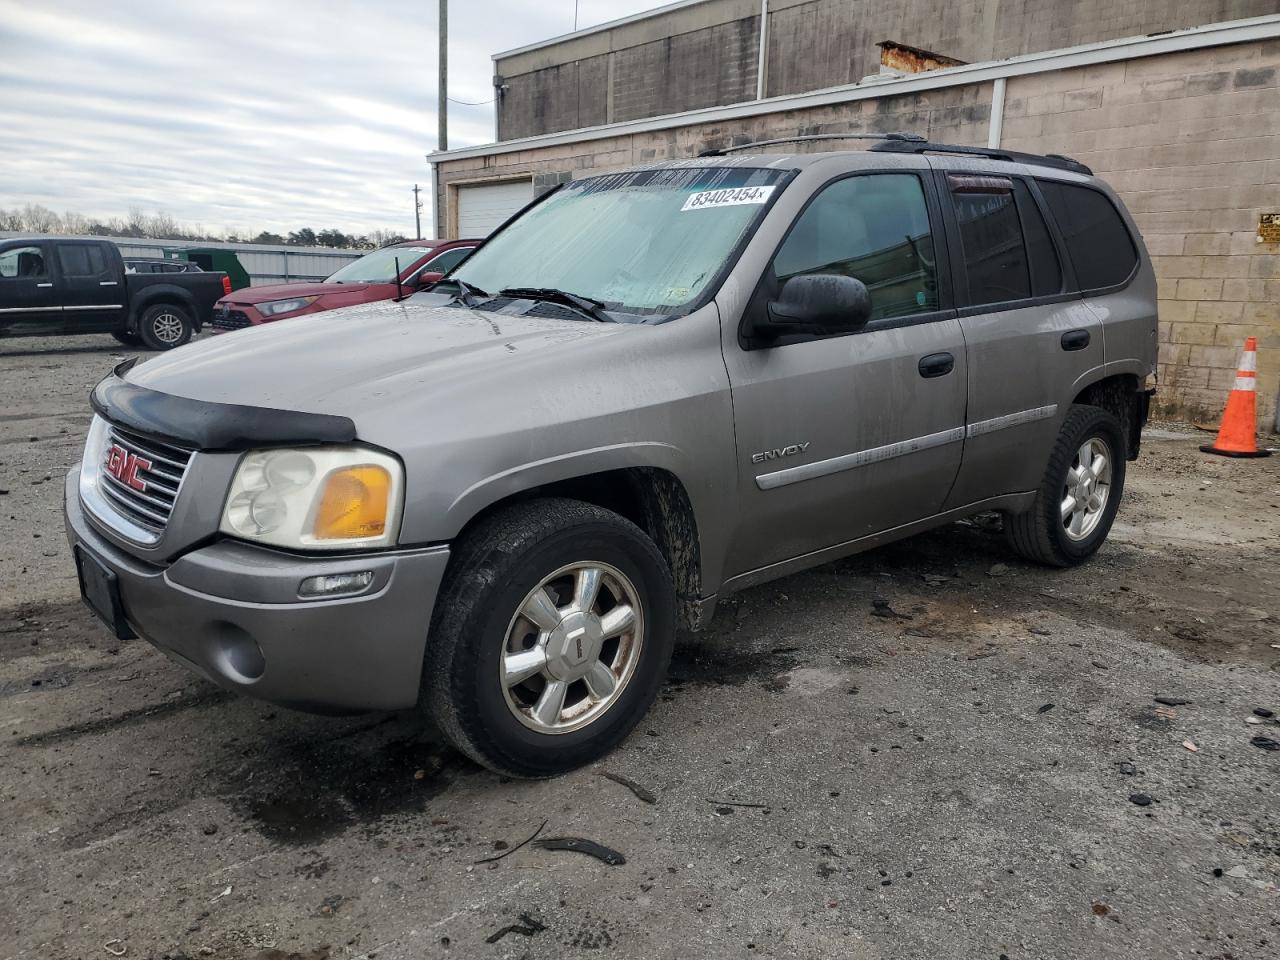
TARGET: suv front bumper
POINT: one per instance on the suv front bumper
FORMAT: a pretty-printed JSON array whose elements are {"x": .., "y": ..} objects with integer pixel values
[{"x": 231, "y": 612}]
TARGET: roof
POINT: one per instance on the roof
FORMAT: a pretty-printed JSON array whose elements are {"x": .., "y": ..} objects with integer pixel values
[{"x": 1110, "y": 51}]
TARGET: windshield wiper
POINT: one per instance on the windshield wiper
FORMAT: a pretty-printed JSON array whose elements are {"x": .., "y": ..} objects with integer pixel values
[
  {"x": 585, "y": 305},
  {"x": 467, "y": 295}
]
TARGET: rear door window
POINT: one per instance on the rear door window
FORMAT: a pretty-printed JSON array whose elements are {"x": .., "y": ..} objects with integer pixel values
[
  {"x": 81, "y": 260},
  {"x": 994, "y": 253},
  {"x": 1098, "y": 242},
  {"x": 1042, "y": 256}
]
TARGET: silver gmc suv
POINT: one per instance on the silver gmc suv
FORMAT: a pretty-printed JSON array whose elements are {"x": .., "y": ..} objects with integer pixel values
[{"x": 501, "y": 497}]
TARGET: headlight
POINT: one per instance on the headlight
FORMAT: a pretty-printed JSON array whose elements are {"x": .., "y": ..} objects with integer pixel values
[
  {"x": 325, "y": 498},
  {"x": 274, "y": 307}
]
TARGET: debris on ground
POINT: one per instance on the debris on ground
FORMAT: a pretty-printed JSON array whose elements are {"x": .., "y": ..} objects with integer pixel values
[
  {"x": 1263, "y": 712},
  {"x": 881, "y": 608},
  {"x": 582, "y": 845},
  {"x": 1172, "y": 701},
  {"x": 226, "y": 892},
  {"x": 1265, "y": 743},
  {"x": 1127, "y": 768},
  {"x": 508, "y": 852},
  {"x": 1141, "y": 799},
  {"x": 1190, "y": 746},
  {"x": 527, "y": 927},
  {"x": 998, "y": 570},
  {"x": 115, "y": 947},
  {"x": 1045, "y": 708},
  {"x": 737, "y": 803},
  {"x": 641, "y": 792},
  {"x": 1166, "y": 713}
]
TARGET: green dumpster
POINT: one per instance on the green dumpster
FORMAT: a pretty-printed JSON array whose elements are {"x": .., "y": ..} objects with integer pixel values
[{"x": 212, "y": 258}]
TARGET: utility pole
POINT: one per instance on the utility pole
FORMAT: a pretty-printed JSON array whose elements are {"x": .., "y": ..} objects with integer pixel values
[
  {"x": 442, "y": 110},
  {"x": 417, "y": 214}
]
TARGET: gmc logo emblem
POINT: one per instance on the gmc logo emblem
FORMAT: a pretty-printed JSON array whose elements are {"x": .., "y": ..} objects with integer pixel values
[{"x": 124, "y": 466}]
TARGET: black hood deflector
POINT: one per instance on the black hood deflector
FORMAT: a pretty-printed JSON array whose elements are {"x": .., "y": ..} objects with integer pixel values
[{"x": 211, "y": 426}]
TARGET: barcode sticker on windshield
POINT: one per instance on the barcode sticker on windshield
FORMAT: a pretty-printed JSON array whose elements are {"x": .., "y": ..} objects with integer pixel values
[{"x": 731, "y": 197}]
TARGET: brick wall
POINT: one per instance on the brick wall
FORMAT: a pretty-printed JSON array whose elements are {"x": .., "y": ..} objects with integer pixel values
[{"x": 1191, "y": 141}]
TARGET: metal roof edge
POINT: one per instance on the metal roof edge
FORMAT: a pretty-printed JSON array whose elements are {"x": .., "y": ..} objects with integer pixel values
[{"x": 1108, "y": 51}]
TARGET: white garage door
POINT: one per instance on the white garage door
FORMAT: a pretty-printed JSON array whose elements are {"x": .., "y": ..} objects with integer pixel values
[{"x": 482, "y": 207}]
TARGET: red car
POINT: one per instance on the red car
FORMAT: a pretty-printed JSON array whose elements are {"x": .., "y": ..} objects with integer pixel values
[{"x": 372, "y": 277}]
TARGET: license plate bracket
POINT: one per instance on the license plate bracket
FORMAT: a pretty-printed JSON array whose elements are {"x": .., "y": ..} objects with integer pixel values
[{"x": 100, "y": 590}]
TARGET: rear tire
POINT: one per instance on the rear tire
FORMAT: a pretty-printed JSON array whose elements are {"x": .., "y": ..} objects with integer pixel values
[
  {"x": 1077, "y": 501},
  {"x": 165, "y": 326},
  {"x": 127, "y": 338},
  {"x": 536, "y": 696}
]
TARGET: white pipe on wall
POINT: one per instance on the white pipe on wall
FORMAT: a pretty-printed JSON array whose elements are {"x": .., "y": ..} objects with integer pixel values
[
  {"x": 995, "y": 126},
  {"x": 763, "y": 62}
]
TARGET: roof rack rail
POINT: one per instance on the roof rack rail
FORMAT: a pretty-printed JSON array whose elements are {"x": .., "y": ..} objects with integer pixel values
[
  {"x": 905, "y": 138},
  {"x": 920, "y": 145}
]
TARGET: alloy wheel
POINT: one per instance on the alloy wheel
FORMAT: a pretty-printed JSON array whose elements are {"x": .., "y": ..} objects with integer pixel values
[{"x": 572, "y": 647}]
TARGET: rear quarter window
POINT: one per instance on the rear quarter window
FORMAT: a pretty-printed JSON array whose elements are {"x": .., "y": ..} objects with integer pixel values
[{"x": 1098, "y": 242}]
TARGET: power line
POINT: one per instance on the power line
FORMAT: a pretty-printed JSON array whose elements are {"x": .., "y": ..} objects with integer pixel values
[{"x": 471, "y": 103}]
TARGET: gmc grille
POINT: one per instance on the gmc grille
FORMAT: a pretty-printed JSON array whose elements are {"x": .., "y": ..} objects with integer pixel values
[{"x": 148, "y": 506}]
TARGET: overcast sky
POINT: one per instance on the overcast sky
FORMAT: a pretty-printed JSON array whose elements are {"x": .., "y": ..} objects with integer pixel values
[{"x": 246, "y": 115}]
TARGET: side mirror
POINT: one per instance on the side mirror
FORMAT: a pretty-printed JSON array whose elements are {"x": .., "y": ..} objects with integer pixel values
[
  {"x": 427, "y": 278},
  {"x": 819, "y": 303}
]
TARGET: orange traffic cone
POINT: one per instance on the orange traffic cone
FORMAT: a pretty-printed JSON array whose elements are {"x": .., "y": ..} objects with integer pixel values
[{"x": 1238, "y": 434}]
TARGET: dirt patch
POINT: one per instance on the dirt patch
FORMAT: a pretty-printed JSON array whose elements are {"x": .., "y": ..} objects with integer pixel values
[{"x": 322, "y": 790}]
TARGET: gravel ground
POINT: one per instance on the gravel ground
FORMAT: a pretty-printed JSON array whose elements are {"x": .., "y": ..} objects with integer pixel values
[{"x": 957, "y": 781}]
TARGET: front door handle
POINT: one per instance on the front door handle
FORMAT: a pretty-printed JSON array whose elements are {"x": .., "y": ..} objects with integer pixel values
[
  {"x": 1075, "y": 339},
  {"x": 937, "y": 365},
  {"x": 44, "y": 285},
  {"x": 108, "y": 283}
]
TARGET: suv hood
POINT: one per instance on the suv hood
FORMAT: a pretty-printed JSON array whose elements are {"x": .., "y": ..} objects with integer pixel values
[
  {"x": 283, "y": 291},
  {"x": 370, "y": 357}
]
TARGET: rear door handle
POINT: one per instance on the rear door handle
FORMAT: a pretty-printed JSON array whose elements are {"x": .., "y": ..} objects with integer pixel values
[
  {"x": 44, "y": 285},
  {"x": 1075, "y": 339},
  {"x": 108, "y": 283},
  {"x": 937, "y": 365}
]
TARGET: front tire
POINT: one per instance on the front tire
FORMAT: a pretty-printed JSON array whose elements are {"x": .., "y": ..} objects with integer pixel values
[
  {"x": 1080, "y": 494},
  {"x": 165, "y": 326},
  {"x": 552, "y": 634}
]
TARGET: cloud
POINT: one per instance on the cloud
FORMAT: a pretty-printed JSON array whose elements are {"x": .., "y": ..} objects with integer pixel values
[{"x": 245, "y": 115}]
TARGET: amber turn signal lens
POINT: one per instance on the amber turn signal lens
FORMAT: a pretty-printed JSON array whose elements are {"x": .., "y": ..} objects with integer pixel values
[{"x": 354, "y": 505}]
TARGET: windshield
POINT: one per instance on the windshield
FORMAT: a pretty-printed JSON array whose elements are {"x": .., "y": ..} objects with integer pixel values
[
  {"x": 645, "y": 243},
  {"x": 379, "y": 266}
]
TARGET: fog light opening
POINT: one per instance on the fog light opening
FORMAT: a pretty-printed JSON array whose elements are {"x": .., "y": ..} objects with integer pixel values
[
  {"x": 335, "y": 584},
  {"x": 238, "y": 655}
]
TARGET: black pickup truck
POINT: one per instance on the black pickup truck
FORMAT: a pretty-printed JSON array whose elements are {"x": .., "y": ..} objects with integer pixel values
[{"x": 65, "y": 287}]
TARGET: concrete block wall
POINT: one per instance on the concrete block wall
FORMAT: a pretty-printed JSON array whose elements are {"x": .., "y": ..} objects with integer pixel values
[
  {"x": 1191, "y": 142},
  {"x": 706, "y": 54}
]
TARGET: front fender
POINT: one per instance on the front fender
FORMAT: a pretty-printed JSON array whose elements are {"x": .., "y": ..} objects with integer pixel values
[{"x": 569, "y": 466}]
